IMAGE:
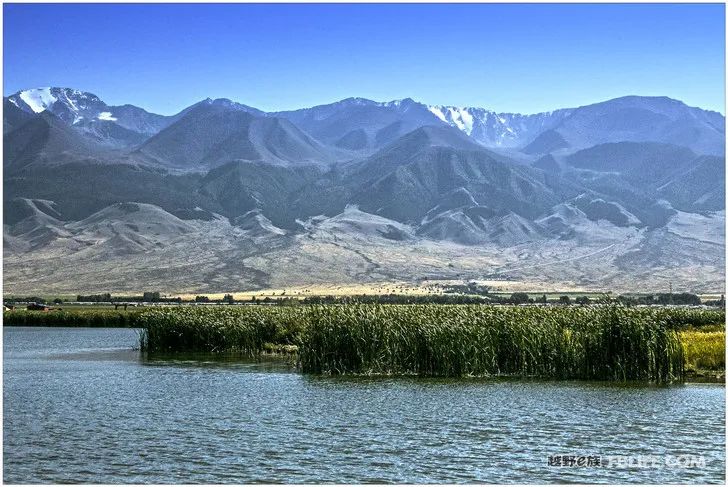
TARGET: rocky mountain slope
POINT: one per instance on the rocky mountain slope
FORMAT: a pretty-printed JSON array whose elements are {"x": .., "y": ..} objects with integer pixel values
[{"x": 585, "y": 196}]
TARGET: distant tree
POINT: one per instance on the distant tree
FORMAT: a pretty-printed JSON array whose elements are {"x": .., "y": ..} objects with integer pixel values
[
  {"x": 94, "y": 298},
  {"x": 228, "y": 298},
  {"x": 564, "y": 300},
  {"x": 519, "y": 298},
  {"x": 202, "y": 299},
  {"x": 582, "y": 300},
  {"x": 679, "y": 298},
  {"x": 151, "y": 297},
  {"x": 58, "y": 301}
]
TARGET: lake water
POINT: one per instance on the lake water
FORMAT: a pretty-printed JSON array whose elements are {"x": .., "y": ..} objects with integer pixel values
[{"x": 81, "y": 406}]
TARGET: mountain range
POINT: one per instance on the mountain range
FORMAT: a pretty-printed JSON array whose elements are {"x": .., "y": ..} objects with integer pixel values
[{"x": 224, "y": 196}]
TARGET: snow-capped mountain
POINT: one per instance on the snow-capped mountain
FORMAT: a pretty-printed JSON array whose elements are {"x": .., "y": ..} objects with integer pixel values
[
  {"x": 363, "y": 126},
  {"x": 498, "y": 129},
  {"x": 90, "y": 114},
  {"x": 640, "y": 176},
  {"x": 362, "y": 123},
  {"x": 71, "y": 106}
]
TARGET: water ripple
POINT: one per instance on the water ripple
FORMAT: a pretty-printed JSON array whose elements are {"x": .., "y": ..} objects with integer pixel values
[{"x": 73, "y": 413}]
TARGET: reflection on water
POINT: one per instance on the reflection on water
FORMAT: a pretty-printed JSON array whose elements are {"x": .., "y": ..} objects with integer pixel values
[
  {"x": 263, "y": 363},
  {"x": 81, "y": 406}
]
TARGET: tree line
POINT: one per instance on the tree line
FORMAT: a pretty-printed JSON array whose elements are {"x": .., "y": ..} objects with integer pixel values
[{"x": 448, "y": 298}]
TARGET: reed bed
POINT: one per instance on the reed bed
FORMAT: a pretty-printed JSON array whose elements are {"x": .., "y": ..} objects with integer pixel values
[
  {"x": 681, "y": 318},
  {"x": 96, "y": 318},
  {"x": 607, "y": 343},
  {"x": 248, "y": 330},
  {"x": 596, "y": 343}
]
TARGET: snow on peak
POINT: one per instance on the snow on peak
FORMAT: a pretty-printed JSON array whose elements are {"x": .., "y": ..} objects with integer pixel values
[
  {"x": 38, "y": 99},
  {"x": 391, "y": 104},
  {"x": 106, "y": 116},
  {"x": 461, "y": 117},
  {"x": 494, "y": 129},
  {"x": 383, "y": 104},
  {"x": 72, "y": 106},
  {"x": 437, "y": 112},
  {"x": 401, "y": 103}
]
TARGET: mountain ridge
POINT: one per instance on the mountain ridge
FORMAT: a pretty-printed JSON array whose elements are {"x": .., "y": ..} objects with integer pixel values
[
  {"x": 373, "y": 189},
  {"x": 489, "y": 127}
]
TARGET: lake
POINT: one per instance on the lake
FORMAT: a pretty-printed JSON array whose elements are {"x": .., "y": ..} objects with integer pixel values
[{"x": 80, "y": 405}]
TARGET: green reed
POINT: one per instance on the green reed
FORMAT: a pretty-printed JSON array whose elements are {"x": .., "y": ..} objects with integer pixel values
[
  {"x": 593, "y": 342},
  {"x": 244, "y": 329},
  {"x": 96, "y": 318},
  {"x": 601, "y": 343}
]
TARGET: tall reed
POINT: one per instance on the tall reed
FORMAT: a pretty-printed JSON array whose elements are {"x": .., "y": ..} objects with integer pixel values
[
  {"x": 97, "y": 318},
  {"x": 596, "y": 342},
  {"x": 217, "y": 329},
  {"x": 603, "y": 343},
  {"x": 608, "y": 343}
]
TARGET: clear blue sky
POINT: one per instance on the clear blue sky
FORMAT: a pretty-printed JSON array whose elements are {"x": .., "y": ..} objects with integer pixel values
[{"x": 521, "y": 58}]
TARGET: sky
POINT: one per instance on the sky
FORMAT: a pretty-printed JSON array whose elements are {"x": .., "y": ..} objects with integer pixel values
[{"x": 523, "y": 58}]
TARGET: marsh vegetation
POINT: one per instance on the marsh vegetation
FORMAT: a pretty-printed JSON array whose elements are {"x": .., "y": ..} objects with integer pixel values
[
  {"x": 608, "y": 342},
  {"x": 603, "y": 343}
]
